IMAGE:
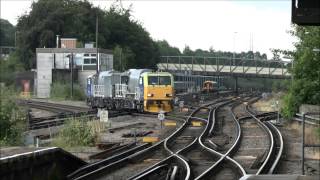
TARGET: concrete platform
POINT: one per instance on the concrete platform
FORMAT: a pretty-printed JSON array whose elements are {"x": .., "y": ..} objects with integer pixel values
[
  {"x": 37, "y": 163},
  {"x": 279, "y": 177}
]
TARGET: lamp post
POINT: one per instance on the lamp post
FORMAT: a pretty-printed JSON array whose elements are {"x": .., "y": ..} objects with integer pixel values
[
  {"x": 234, "y": 46},
  {"x": 97, "y": 49},
  {"x": 70, "y": 56}
]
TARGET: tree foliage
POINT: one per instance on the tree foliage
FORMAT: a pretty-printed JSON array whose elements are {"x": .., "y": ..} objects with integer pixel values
[
  {"x": 9, "y": 67},
  {"x": 12, "y": 118},
  {"x": 77, "y": 19},
  {"x": 166, "y": 50},
  {"x": 305, "y": 89},
  {"x": 7, "y": 33}
]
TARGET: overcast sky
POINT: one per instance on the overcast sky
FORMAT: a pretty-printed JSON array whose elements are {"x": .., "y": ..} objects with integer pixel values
[{"x": 224, "y": 25}]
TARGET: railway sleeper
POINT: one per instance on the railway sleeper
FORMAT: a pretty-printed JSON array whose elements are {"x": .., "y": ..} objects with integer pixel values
[{"x": 259, "y": 161}]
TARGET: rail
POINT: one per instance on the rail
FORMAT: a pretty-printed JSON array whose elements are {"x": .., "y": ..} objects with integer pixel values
[
  {"x": 309, "y": 118},
  {"x": 273, "y": 157},
  {"x": 177, "y": 155},
  {"x": 222, "y": 156}
]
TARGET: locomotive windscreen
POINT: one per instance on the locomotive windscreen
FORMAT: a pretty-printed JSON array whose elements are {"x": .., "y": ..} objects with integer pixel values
[
  {"x": 153, "y": 80},
  {"x": 164, "y": 80},
  {"x": 159, "y": 80}
]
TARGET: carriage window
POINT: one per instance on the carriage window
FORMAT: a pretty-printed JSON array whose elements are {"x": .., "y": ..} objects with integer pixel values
[
  {"x": 164, "y": 80},
  {"x": 153, "y": 80}
]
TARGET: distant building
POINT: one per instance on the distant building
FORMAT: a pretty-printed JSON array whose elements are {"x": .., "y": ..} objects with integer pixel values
[
  {"x": 56, "y": 62},
  {"x": 68, "y": 43}
]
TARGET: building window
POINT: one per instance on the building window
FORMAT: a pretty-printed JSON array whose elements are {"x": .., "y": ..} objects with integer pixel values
[
  {"x": 86, "y": 61},
  {"x": 93, "y": 60}
]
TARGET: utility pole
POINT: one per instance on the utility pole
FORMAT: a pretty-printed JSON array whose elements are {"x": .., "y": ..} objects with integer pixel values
[
  {"x": 71, "y": 75},
  {"x": 120, "y": 59},
  {"x": 97, "y": 56},
  {"x": 15, "y": 39},
  {"x": 234, "y": 47}
]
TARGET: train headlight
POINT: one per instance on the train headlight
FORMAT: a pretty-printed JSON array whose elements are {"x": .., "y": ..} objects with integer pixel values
[
  {"x": 150, "y": 95},
  {"x": 169, "y": 95}
]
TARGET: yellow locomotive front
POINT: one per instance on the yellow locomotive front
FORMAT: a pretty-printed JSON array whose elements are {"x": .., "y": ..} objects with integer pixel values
[{"x": 158, "y": 91}]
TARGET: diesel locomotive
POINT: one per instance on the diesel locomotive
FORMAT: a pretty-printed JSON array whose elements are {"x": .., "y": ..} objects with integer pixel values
[{"x": 135, "y": 89}]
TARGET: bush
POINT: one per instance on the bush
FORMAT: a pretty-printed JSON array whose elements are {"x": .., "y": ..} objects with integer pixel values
[
  {"x": 76, "y": 132},
  {"x": 12, "y": 119},
  {"x": 61, "y": 90},
  {"x": 290, "y": 106},
  {"x": 9, "y": 68}
]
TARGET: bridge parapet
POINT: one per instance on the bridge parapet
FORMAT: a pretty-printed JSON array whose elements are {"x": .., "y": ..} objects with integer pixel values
[{"x": 226, "y": 66}]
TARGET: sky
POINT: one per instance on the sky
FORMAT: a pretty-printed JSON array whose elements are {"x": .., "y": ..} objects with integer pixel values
[{"x": 226, "y": 25}]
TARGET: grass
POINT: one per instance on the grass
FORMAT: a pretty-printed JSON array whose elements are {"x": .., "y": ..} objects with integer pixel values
[
  {"x": 75, "y": 133},
  {"x": 62, "y": 91}
]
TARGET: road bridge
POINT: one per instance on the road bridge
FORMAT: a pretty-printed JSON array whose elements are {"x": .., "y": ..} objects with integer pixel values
[{"x": 225, "y": 66}]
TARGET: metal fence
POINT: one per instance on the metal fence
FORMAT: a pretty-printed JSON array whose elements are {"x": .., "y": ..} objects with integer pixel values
[{"x": 312, "y": 118}]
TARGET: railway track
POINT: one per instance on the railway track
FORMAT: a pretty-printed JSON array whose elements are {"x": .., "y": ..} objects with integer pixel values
[
  {"x": 213, "y": 143},
  {"x": 155, "y": 158},
  {"x": 55, "y": 107},
  {"x": 194, "y": 158},
  {"x": 63, "y": 113},
  {"x": 229, "y": 168}
]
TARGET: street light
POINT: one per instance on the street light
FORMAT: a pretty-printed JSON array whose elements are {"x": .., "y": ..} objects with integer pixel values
[{"x": 234, "y": 44}]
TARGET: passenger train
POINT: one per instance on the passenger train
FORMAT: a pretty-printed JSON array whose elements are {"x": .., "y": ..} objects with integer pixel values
[{"x": 135, "y": 89}]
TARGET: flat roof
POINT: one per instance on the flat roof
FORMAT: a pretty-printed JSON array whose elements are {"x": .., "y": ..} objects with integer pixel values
[
  {"x": 68, "y": 38},
  {"x": 73, "y": 50}
]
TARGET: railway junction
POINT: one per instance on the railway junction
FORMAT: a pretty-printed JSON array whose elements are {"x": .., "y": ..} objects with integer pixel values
[
  {"x": 223, "y": 137},
  {"x": 143, "y": 109}
]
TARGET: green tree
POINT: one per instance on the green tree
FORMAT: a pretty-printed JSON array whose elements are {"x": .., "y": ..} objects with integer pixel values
[
  {"x": 187, "y": 51},
  {"x": 166, "y": 50},
  {"x": 7, "y": 33},
  {"x": 122, "y": 57},
  {"x": 9, "y": 67},
  {"x": 305, "y": 89}
]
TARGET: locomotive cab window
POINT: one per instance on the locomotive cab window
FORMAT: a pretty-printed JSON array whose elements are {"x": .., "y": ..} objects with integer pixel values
[
  {"x": 164, "y": 80},
  {"x": 124, "y": 79},
  {"x": 153, "y": 80}
]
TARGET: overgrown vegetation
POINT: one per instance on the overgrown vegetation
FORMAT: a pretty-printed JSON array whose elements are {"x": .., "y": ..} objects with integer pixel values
[
  {"x": 280, "y": 85},
  {"x": 9, "y": 68},
  {"x": 75, "y": 133},
  {"x": 12, "y": 119},
  {"x": 305, "y": 88},
  {"x": 62, "y": 91}
]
